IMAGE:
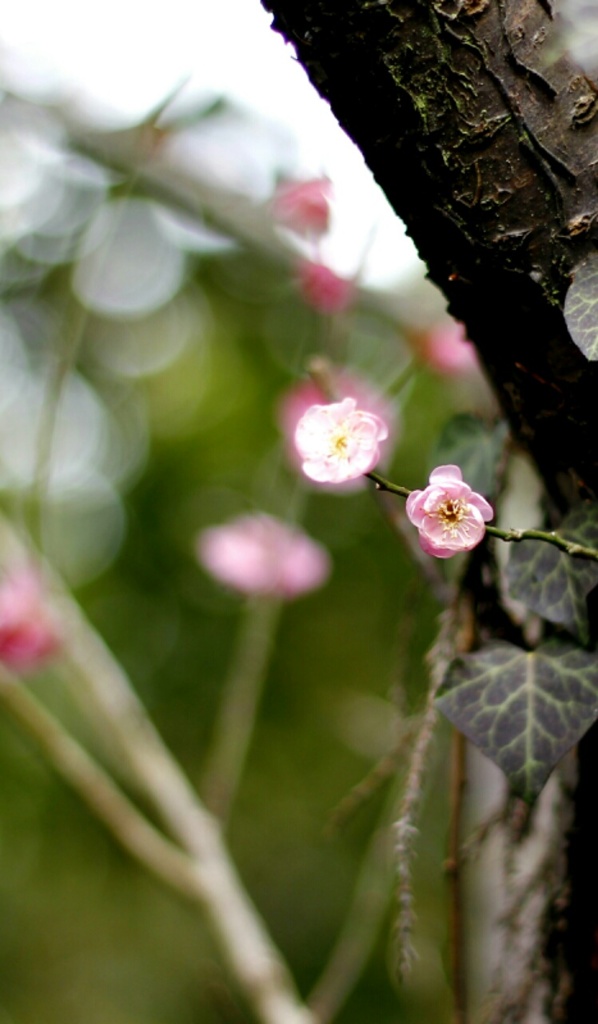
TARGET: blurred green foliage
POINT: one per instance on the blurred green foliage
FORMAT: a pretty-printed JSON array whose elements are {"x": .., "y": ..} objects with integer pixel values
[{"x": 185, "y": 399}]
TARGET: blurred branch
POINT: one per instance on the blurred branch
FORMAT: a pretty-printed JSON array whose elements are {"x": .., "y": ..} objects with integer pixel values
[
  {"x": 104, "y": 690},
  {"x": 364, "y": 918},
  {"x": 150, "y": 155},
  {"x": 453, "y": 868},
  {"x": 240, "y": 699},
  {"x": 208, "y": 881}
]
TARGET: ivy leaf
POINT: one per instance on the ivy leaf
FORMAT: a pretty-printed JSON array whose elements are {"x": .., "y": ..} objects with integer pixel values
[
  {"x": 524, "y": 710},
  {"x": 581, "y": 308},
  {"x": 466, "y": 441},
  {"x": 551, "y": 582}
]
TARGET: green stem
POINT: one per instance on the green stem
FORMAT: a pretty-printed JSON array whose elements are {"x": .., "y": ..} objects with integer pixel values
[
  {"x": 242, "y": 692},
  {"x": 550, "y": 537},
  {"x": 382, "y": 484},
  {"x": 512, "y": 536}
]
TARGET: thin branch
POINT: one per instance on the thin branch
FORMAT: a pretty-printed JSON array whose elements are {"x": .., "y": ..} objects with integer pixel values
[
  {"x": 240, "y": 699},
  {"x": 362, "y": 924},
  {"x": 453, "y": 869},
  {"x": 209, "y": 882},
  {"x": 406, "y": 826},
  {"x": 549, "y": 537},
  {"x": 513, "y": 536},
  {"x": 105, "y": 693}
]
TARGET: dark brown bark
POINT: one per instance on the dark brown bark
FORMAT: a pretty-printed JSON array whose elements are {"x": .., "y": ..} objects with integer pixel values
[
  {"x": 487, "y": 147},
  {"x": 486, "y": 144}
]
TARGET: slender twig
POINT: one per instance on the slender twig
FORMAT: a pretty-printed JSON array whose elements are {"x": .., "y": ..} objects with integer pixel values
[
  {"x": 454, "y": 872},
  {"x": 107, "y": 696},
  {"x": 68, "y": 758},
  {"x": 384, "y": 770},
  {"x": 549, "y": 537},
  {"x": 208, "y": 880},
  {"x": 513, "y": 536},
  {"x": 406, "y": 826},
  {"x": 362, "y": 924},
  {"x": 240, "y": 699}
]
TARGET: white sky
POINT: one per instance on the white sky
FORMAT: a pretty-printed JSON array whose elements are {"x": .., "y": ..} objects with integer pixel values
[{"x": 119, "y": 58}]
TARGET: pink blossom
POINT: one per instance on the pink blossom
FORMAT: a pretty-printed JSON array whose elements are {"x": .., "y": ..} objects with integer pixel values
[
  {"x": 450, "y": 516},
  {"x": 338, "y": 441},
  {"x": 259, "y": 555},
  {"x": 345, "y": 384},
  {"x": 28, "y": 633},
  {"x": 304, "y": 206},
  {"x": 323, "y": 289},
  {"x": 447, "y": 349}
]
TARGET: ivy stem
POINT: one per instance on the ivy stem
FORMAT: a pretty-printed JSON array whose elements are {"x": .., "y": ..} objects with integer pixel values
[
  {"x": 512, "y": 536},
  {"x": 549, "y": 536}
]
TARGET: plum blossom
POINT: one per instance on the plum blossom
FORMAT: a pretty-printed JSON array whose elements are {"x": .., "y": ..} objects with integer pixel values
[
  {"x": 29, "y": 635},
  {"x": 345, "y": 384},
  {"x": 258, "y": 555},
  {"x": 447, "y": 350},
  {"x": 450, "y": 516},
  {"x": 338, "y": 441},
  {"x": 323, "y": 289},
  {"x": 304, "y": 206}
]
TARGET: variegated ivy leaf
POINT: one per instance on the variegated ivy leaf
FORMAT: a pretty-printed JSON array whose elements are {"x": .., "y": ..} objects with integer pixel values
[
  {"x": 553, "y": 583},
  {"x": 466, "y": 441},
  {"x": 524, "y": 710},
  {"x": 581, "y": 307}
]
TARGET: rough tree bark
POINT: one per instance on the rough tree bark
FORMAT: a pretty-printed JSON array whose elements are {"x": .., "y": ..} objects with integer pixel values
[{"x": 485, "y": 141}]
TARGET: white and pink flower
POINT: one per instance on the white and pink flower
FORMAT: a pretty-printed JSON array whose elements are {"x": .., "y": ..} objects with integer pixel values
[
  {"x": 29, "y": 634},
  {"x": 258, "y": 555},
  {"x": 304, "y": 206},
  {"x": 450, "y": 516},
  {"x": 345, "y": 384},
  {"x": 339, "y": 441}
]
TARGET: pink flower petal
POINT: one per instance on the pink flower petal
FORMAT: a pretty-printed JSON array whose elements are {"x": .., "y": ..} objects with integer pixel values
[
  {"x": 449, "y": 515},
  {"x": 339, "y": 442}
]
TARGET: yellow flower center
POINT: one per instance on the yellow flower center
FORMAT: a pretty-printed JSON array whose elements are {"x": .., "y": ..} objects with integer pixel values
[
  {"x": 339, "y": 443},
  {"x": 451, "y": 513}
]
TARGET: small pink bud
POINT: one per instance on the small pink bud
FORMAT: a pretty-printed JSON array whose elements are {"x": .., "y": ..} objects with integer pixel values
[
  {"x": 450, "y": 516},
  {"x": 323, "y": 289},
  {"x": 447, "y": 350},
  {"x": 304, "y": 206},
  {"x": 259, "y": 555},
  {"x": 338, "y": 441},
  {"x": 29, "y": 635}
]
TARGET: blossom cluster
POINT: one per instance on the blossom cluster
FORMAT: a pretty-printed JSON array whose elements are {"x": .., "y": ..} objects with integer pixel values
[
  {"x": 304, "y": 207},
  {"x": 338, "y": 441}
]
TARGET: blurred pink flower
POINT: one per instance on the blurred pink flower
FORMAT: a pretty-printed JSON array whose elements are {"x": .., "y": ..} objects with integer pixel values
[
  {"x": 450, "y": 516},
  {"x": 304, "y": 206},
  {"x": 323, "y": 289},
  {"x": 28, "y": 633},
  {"x": 260, "y": 555},
  {"x": 338, "y": 441},
  {"x": 446, "y": 349}
]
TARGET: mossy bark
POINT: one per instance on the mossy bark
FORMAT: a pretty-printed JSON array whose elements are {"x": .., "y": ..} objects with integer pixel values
[{"x": 484, "y": 136}]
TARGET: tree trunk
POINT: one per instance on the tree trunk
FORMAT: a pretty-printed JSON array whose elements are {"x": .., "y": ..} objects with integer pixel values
[{"x": 485, "y": 141}]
